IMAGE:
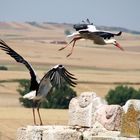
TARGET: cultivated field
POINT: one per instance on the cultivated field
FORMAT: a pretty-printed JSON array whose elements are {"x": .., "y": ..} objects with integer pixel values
[{"x": 97, "y": 68}]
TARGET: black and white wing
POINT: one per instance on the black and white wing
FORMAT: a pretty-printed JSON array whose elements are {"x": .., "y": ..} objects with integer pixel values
[
  {"x": 102, "y": 34},
  {"x": 107, "y": 35},
  {"x": 78, "y": 27},
  {"x": 85, "y": 26},
  {"x": 58, "y": 75},
  {"x": 82, "y": 26},
  {"x": 55, "y": 77},
  {"x": 20, "y": 59}
]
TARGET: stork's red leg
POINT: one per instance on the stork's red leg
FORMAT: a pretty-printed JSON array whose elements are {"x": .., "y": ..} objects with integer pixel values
[
  {"x": 39, "y": 116},
  {"x": 34, "y": 116},
  {"x": 72, "y": 48},
  {"x": 75, "y": 39},
  {"x": 67, "y": 44}
]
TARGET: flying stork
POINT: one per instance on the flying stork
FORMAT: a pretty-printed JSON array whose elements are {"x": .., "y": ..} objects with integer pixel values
[
  {"x": 39, "y": 89},
  {"x": 87, "y": 30}
]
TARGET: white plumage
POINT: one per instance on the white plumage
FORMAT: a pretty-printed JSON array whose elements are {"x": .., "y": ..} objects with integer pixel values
[{"x": 31, "y": 95}]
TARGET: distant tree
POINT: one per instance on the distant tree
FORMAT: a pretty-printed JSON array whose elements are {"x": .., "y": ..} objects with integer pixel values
[
  {"x": 24, "y": 89},
  {"x": 3, "y": 68},
  {"x": 58, "y": 98},
  {"x": 121, "y": 94}
]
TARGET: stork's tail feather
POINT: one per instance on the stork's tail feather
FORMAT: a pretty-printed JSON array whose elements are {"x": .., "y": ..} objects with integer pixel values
[
  {"x": 31, "y": 95},
  {"x": 118, "y": 34}
]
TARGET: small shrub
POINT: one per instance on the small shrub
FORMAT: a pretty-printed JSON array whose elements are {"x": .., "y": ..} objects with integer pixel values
[
  {"x": 3, "y": 68},
  {"x": 121, "y": 94},
  {"x": 59, "y": 98},
  {"x": 24, "y": 89}
]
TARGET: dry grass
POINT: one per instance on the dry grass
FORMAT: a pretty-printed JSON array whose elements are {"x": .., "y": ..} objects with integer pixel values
[
  {"x": 98, "y": 68},
  {"x": 12, "y": 118}
]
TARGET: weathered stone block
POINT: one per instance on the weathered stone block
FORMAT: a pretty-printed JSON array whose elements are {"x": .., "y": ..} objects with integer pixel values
[
  {"x": 111, "y": 138},
  {"x": 131, "y": 115},
  {"x": 82, "y": 108},
  {"x": 21, "y": 133},
  {"x": 35, "y": 132},
  {"x": 96, "y": 130},
  {"x": 67, "y": 133},
  {"x": 61, "y": 134},
  {"x": 48, "y": 133},
  {"x": 109, "y": 116}
]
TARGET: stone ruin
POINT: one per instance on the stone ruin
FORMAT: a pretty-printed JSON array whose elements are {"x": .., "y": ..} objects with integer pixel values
[{"x": 91, "y": 118}]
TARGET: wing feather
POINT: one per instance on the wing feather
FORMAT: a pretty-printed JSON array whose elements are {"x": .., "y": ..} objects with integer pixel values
[
  {"x": 59, "y": 75},
  {"x": 98, "y": 33},
  {"x": 68, "y": 80},
  {"x": 106, "y": 35},
  {"x": 68, "y": 74},
  {"x": 20, "y": 59},
  {"x": 55, "y": 77}
]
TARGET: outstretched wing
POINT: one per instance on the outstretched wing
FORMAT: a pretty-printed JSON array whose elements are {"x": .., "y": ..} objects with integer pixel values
[
  {"x": 58, "y": 75},
  {"x": 55, "y": 77},
  {"x": 102, "y": 34},
  {"x": 20, "y": 59},
  {"x": 107, "y": 35}
]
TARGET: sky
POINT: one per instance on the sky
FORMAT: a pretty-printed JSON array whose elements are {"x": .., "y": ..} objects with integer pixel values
[{"x": 118, "y": 13}]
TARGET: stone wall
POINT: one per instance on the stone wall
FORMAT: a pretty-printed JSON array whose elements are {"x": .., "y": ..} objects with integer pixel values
[{"x": 90, "y": 118}]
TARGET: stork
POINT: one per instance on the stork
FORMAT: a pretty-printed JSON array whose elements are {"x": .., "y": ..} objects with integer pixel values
[
  {"x": 39, "y": 89},
  {"x": 89, "y": 31}
]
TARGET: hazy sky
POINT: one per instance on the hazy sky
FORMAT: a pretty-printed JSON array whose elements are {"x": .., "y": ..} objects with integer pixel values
[{"x": 119, "y": 13}]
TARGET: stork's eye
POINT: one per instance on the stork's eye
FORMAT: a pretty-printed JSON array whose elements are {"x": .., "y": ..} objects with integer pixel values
[{"x": 60, "y": 66}]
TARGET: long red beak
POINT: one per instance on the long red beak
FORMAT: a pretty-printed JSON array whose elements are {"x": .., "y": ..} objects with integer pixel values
[{"x": 118, "y": 46}]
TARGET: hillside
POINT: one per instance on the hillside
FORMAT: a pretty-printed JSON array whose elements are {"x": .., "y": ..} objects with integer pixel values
[
  {"x": 39, "y": 44},
  {"x": 97, "y": 68},
  {"x": 51, "y": 28}
]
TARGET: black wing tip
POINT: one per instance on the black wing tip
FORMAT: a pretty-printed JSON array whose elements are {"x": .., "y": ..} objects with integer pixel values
[
  {"x": 2, "y": 42},
  {"x": 119, "y": 33},
  {"x": 69, "y": 78},
  {"x": 64, "y": 74}
]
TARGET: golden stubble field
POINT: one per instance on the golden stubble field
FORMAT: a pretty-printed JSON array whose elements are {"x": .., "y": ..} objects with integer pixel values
[{"x": 97, "y": 68}]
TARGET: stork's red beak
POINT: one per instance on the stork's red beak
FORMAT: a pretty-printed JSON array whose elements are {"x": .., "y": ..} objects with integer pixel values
[{"x": 118, "y": 46}]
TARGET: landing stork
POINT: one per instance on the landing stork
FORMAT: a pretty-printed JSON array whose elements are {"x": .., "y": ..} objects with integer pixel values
[
  {"x": 39, "y": 89},
  {"x": 89, "y": 31}
]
